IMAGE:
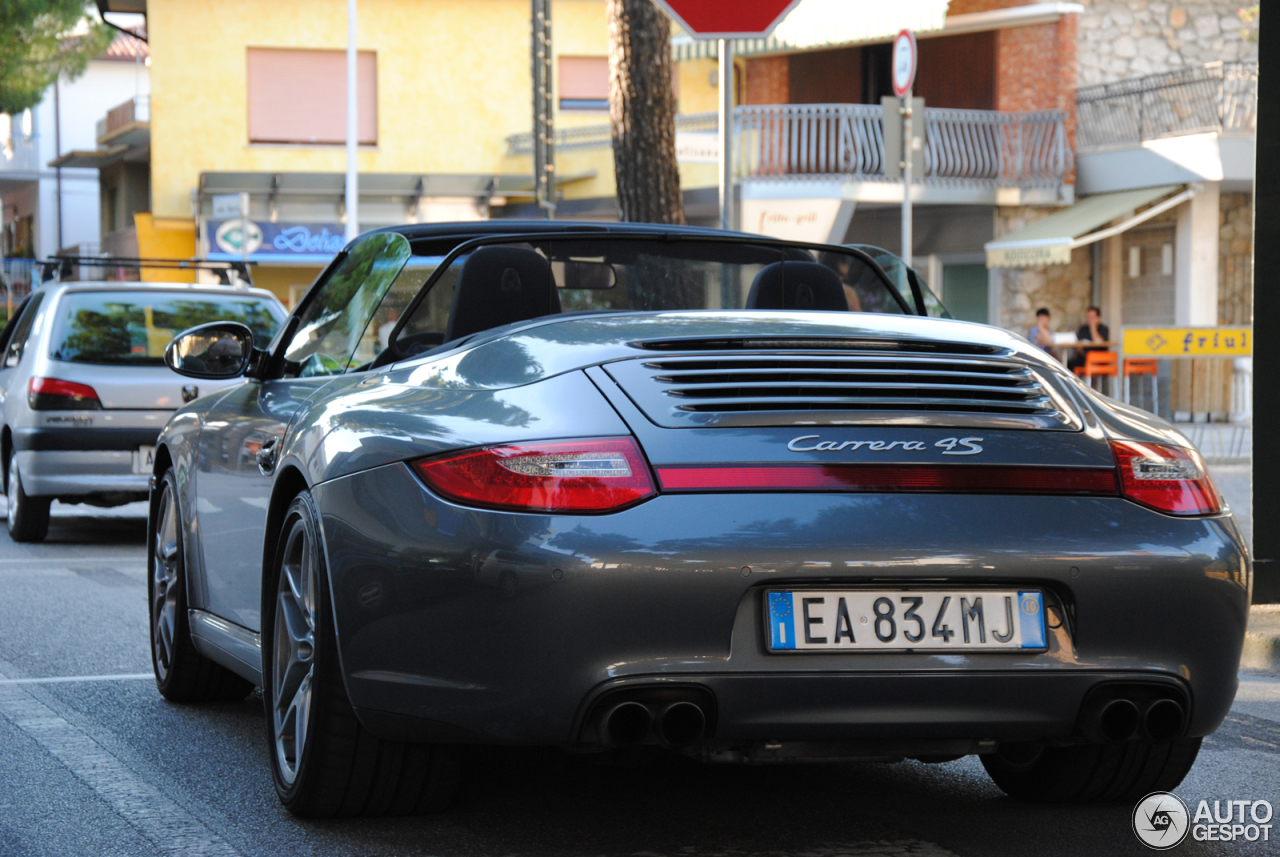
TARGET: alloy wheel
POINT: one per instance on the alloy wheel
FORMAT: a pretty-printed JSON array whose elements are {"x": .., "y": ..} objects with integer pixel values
[
  {"x": 293, "y": 655},
  {"x": 164, "y": 582}
]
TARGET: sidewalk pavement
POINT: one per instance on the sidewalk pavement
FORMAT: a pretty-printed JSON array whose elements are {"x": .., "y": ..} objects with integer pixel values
[{"x": 1262, "y": 640}]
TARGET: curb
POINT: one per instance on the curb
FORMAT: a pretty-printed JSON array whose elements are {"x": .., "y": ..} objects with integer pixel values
[{"x": 1262, "y": 640}]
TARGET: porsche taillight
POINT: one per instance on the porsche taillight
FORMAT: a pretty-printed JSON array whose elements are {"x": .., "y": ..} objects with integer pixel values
[
  {"x": 591, "y": 475},
  {"x": 1167, "y": 478}
]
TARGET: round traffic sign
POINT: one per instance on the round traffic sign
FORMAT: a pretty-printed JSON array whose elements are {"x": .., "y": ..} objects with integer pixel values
[{"x": 904, "y": 63}]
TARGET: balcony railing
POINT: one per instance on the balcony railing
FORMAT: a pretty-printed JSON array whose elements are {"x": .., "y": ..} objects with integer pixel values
[
  {"x": 596, "y": 136},
  {"x": 807, "y": 141},
  {"x": 135, "y": 110},
  {"x": 1219, "y": 97},
  {"x": 19, "y": 153},
  {"x": 962, "y": 147}
]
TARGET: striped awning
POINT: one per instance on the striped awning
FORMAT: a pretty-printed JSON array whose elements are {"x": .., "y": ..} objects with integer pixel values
[{"x": 816, "y": 24}]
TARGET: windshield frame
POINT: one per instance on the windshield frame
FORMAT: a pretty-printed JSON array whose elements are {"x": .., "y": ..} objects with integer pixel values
[{"x": 535, "y": 238}]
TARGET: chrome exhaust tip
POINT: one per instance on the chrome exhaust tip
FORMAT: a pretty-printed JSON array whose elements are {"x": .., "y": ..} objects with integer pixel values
[
  {"x": 1162, "y": 720},
  {"x": 681, "y": 724},
  {"x": 626, "y": 724},
  {"x": 1118, "y": 720}
]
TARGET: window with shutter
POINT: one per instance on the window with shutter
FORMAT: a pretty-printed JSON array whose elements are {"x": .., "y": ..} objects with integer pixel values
[
  {"x": 583, "y": 83},
  {"x": 300, "y": 96}
]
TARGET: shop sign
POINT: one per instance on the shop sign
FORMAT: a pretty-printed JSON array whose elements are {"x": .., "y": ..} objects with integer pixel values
[
  {"x": 1187, "y": 341},
  {"x": 279, "y": 241}
]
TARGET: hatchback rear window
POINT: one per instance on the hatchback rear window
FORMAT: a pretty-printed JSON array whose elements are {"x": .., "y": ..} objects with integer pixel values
[{"x": 133, "y": 327}]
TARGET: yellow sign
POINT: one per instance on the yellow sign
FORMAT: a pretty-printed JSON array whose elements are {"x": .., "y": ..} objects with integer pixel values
[{"x": 1187, "y": 342}]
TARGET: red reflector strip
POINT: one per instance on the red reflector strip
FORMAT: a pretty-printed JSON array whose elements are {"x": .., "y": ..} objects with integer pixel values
[{"x": 891, "y": 479}]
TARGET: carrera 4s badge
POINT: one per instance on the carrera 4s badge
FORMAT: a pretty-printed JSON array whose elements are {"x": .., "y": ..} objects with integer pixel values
[{"x": 948, "y": 445}]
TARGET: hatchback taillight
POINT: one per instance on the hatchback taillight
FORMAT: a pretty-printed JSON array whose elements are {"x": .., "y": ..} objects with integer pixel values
[
  {"x": 1167, "y": 478},
  {"x": 54, "y": 394},
  {"x": 588, "y": 475}
]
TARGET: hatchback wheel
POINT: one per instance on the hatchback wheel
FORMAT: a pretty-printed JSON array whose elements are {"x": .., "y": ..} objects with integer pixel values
[
  {"x": 1091, "y": 772},
  {"x": 28, "y": 516},
  {"x": 324, "y": 762},
  {"x": 182, "y": 673}
]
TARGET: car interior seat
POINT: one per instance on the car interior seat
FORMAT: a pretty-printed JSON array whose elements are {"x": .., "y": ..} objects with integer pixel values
[
  {"x": 797, "y": 285},
  {"x": 501, "y": 285}
]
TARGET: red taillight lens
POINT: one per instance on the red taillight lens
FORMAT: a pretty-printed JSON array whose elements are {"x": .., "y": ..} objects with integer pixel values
[
  {"x": 1167, "y": 478},
  {"x": 891, "y": 479},
  {"x": 589, "y": 475},
  {"x": 54, "y": 394}
]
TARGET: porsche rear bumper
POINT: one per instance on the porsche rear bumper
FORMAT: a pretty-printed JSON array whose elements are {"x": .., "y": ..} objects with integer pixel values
[{"x": 466, "y": 625}]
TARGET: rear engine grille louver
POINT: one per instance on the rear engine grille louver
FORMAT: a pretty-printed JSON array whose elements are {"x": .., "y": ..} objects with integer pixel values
[{"x": 843, "y": 388}]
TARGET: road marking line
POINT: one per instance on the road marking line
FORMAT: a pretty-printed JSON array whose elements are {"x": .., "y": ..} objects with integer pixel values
[
  {"x": 167, "y": 825},
  {"x": 69, "y": 679}
]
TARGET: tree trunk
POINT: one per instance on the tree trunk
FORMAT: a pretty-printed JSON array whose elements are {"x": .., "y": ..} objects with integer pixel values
[{"x": 642, "y": 113}]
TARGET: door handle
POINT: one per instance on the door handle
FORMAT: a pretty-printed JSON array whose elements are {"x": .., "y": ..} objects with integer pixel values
[{"x": 267, "y": 456}]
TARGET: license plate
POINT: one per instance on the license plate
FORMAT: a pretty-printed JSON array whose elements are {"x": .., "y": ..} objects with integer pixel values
[
  {"x": 898, "y": 620},
  {"x": 144, "y": 460}
]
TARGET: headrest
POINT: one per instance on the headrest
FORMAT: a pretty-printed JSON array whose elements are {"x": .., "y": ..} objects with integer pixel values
[
  {"x": 797, "y": 285},
  {"x": 500, "y": 285}
]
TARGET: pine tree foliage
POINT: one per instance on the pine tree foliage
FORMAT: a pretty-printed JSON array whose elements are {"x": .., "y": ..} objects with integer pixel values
[{"x": 41, "y": 40}]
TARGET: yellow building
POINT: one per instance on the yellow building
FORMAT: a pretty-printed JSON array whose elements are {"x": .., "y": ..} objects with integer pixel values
[{"x": 248, "y": 96}]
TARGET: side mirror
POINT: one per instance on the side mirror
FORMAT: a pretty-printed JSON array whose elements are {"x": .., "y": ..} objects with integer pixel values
[{"x": 219, "y": 350}]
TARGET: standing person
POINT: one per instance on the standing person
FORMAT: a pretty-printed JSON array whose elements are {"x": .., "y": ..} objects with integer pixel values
[
  {"x": 1041, "y": 335},
  {"x": 1093, "y": 330}
]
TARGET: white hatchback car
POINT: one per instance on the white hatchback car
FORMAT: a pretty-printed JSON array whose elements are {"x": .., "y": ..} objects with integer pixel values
[{"x": 86, "y": 390}]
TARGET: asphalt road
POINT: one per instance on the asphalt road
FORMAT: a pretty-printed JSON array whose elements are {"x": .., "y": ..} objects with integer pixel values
[{"x": 103, "y": 766}]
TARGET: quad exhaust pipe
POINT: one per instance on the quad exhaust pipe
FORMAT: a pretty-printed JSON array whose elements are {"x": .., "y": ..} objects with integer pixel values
[
  {"x": 680, "y": 725},
  {"x": 1117, "y": 720},
  {"x": 1162, "y": 720},
  {"x": 677, "y": 725},
  {"x": 627, "y": 724}
]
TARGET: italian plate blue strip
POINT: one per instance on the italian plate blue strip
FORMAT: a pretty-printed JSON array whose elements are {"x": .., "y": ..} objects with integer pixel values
[
  {"x": 782, "y": 628},
  {"x": 1031, "y": 614}
]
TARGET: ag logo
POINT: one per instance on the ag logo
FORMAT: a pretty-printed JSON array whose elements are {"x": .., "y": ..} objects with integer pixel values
[
  {"x": 230, "y": 237},
  {"x": 1160, "y": 821}
]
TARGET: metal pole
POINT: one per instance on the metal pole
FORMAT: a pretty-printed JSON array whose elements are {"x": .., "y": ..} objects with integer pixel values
[
  {"x": 57, "y": 146},
  {"x": 726, "y": 134},
  {"x": 544, "y": 157},
  {"x": 907, "y": 153},
  {"x": 352, "y": 200}
]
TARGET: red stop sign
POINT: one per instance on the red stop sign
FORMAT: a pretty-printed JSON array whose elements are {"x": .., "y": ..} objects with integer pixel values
[{"x": 727, "y": 19}]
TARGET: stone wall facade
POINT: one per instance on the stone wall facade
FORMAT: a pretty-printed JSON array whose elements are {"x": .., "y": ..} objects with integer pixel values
[
  {"x": 1235, "y": 259},
  {"x": 1064, "y": 289},
  {"x": 1121, "y": 39}
]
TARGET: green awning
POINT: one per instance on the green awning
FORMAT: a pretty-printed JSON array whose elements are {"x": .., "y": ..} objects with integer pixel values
[
  {"x": 1050, "y": 241},
  {"x": 816, "y": 24}
]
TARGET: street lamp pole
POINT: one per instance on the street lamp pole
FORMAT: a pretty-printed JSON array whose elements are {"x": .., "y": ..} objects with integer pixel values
[
  {"x": 726, "y": 134},
  {"x": 352, "y": 200}
]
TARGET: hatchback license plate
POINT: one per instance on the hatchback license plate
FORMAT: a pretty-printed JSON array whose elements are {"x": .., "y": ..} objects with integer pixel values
[
  {"x": 144, "y": 460},
  {"x": 898, "y": 620}
]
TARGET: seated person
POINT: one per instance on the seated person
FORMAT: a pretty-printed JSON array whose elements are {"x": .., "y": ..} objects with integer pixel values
[{"x": 1093, "y": 330}]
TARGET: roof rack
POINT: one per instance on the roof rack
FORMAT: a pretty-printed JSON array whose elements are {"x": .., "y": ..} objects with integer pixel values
[{"x": 230, "y": 273}]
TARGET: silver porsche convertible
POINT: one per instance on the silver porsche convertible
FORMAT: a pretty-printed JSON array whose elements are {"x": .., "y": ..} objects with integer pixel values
[{"x": 646, "y": 489}]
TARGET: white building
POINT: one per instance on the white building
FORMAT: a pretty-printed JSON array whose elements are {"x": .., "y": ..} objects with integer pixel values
[{"x": 45, "y": 208}]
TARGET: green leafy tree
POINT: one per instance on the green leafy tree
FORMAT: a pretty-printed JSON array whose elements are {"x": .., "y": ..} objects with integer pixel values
[
  {"x": 1249, "y": 17},
  {"x": 41, "y": 40}
]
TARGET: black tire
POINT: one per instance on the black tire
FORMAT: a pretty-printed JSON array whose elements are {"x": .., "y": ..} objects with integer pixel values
[
  {"x": 1086, "y": 773},
  {"x": 341, "y": 769},
  {"x": 182, "y": 673},
  {"x": 28, "y": 516}
]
